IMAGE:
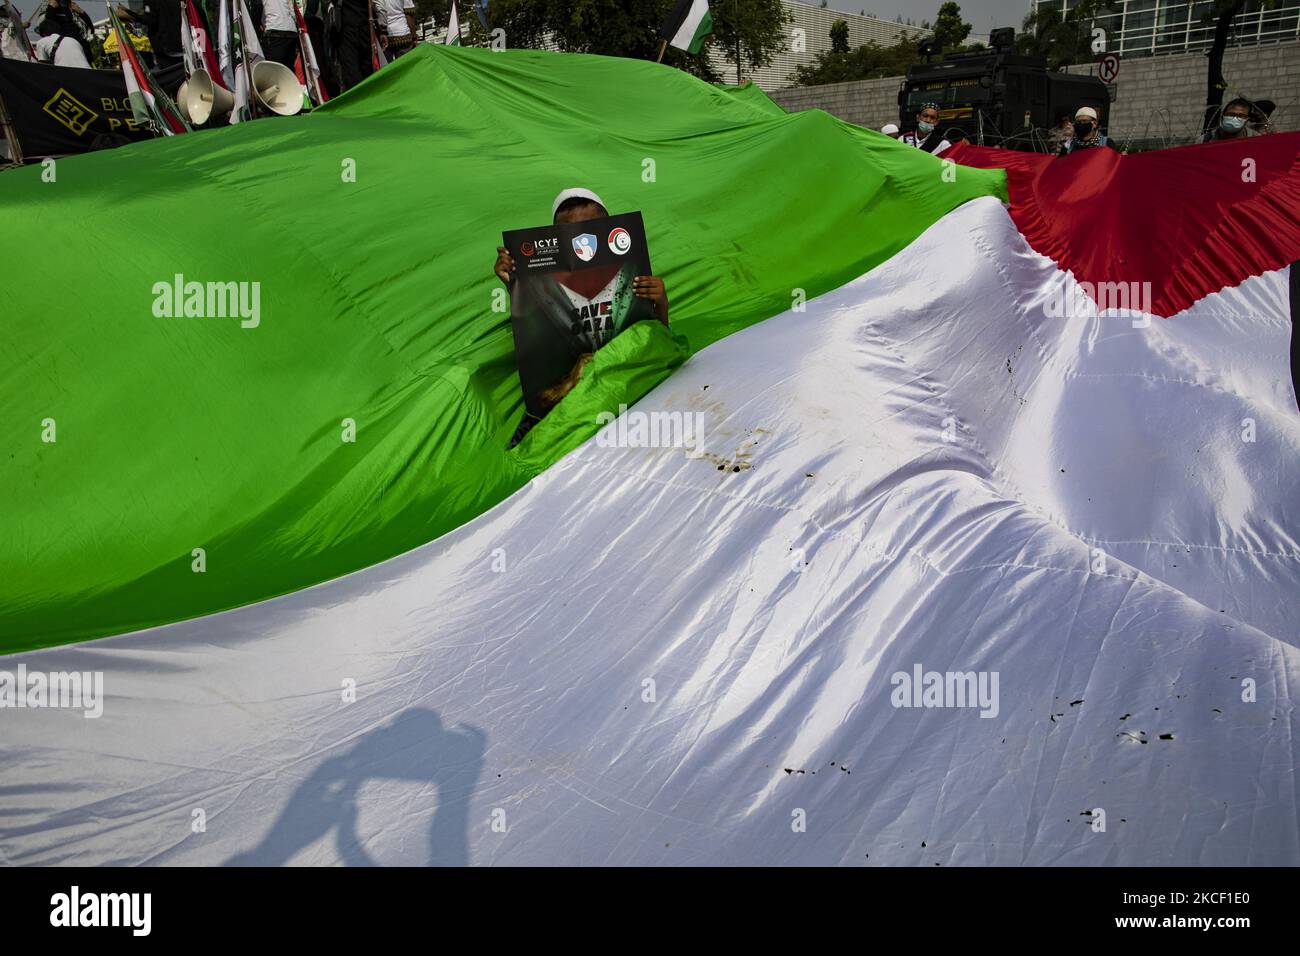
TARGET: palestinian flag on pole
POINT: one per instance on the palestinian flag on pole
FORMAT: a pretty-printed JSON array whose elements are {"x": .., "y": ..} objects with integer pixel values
[
  {"x": 198, "y": 46},
  {"x": 688, "y": 25},
  {"x": 150, "y": 105},
  {"x": 308, "y": 68},
  {"x": 453, "y": 28}
]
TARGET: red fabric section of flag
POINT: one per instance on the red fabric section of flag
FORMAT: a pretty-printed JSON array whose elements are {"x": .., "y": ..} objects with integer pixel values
[
  {"x": 1190, "y": 220},
  {"x": 209, "y": 55}
]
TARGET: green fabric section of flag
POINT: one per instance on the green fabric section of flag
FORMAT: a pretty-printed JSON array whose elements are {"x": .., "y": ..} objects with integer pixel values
[{"x": 159, "y": 468}]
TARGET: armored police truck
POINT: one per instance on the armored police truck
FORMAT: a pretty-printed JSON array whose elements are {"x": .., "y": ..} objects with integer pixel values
[{"x": 999, "y": 97}]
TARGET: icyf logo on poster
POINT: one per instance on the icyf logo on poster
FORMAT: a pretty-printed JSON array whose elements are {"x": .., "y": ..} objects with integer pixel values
[
  {"x": 620, "y": 241},
  {"x": 584, "y": 246}
]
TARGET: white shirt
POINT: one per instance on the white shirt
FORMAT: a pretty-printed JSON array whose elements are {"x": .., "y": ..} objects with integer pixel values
[
  {"x": 911, "y": 139},
  {"x": 394, "y": 12},
  {"x": 67, "y": 53},
  {"x": 278, "y": 15}
]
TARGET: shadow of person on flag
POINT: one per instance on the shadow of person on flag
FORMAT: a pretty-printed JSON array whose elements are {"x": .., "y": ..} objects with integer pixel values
[{"x": 414, "y": 747}]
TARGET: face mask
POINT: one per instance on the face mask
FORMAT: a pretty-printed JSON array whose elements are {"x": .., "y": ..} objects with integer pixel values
[
  {"x": 1082, "y": 130},
  {"x": 1233, "y": 123},
  {"x": 923, "y": 127}
]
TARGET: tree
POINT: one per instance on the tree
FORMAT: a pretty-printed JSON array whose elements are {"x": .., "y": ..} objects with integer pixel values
[
  {"x": 949, "y": 29},
  {"x": 840, "y": 36},
  {"x": 748, "y": 30},
  {"x": 839, "y": 64},
  {"x": 1222, "y": 14},
  {"x": 1061, "y": 40}
]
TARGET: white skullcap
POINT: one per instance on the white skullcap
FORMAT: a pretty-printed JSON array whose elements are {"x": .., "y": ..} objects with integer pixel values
[
  {"x": 575, "y": 193},
  {"x": 889, "y": 129},
  {"x": 1087, "y": 111}
]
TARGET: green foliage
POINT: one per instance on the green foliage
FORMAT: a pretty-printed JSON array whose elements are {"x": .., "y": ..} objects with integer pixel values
[
  {"x": 1061, "y": 40},
  {"x": 840, "y": 36},
  {"x": 871, "y": 61},
  {"x": 949, "y": 29},
  {"x": 750, "y": 28}
]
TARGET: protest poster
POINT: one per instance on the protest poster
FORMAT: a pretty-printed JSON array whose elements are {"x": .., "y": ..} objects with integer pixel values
[{"x": 570, "y": 294}]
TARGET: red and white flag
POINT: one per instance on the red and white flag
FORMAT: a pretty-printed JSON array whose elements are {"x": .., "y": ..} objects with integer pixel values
[
  {"x": 307, "y": 67},
  {"x": 149, "y": 104},
  {"x": 197, "y": 45}
]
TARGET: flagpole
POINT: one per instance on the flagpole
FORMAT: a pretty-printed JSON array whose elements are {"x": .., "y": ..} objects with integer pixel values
[
  {"x": 736, "y": 9},
  {"x": 251, "y": 100},
  {"x": 663, "y": 45}
]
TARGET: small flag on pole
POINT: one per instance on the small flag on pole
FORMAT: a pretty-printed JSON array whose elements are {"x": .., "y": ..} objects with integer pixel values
[
  {"x": 308, "y": 66},
  {"x": 246, "y": 53},
  {"x": 197, "y": 45},
  {"x": 453, "y": 28},
  {"x": 150, "y": 106},
  {"x": 226, "y": 45},
  {"x": 688, "y": 24}
]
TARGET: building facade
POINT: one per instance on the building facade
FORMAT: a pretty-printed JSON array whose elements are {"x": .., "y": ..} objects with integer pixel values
[
  {"x": 808, "y": 34},
  {"x": 1153, "y": 27}
]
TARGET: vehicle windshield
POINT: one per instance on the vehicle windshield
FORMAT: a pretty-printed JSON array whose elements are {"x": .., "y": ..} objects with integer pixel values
[{"x": 946, "y": 93}]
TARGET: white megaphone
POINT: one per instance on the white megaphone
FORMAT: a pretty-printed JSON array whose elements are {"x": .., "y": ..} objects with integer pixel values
[
  {"x": 181, "y": 104},
  {"x": 277, "y": 88},
  {"x": 202, "y": 99}
]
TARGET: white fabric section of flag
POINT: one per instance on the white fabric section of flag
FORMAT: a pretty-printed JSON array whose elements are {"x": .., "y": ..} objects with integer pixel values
[
  {"x": 694, "y": 28},
  {"x": 14, "y": 44},
  {"x": 225, "y": 45},
  {"x": 193, "y": 59},
  {"x": 247, "y": 55},
  {"x": 651, "y": 655},
  {"x": 143, "y": 108},
  {"x": 248, "y": 36},
  {"x": 453, "y": 27}
]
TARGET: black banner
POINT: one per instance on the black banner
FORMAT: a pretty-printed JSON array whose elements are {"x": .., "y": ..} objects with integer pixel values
[
  {"x": 571, "y": 293},
  {"x": 1230, "y": 908},
  {"x": 60, "y": 110}
]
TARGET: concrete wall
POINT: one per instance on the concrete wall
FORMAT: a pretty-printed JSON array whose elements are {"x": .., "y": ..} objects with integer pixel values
[
  {"x": 864, "y": 102},
  {"x": 1162, "y": 98},
  {"x": 1158, "y": 99}
]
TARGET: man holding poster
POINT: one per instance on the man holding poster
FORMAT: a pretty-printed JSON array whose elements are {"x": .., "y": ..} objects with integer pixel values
[{"x": 585, "y": 278}]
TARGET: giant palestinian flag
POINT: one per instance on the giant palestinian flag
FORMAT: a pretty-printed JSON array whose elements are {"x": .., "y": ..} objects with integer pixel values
[{"x": 962, "y": 549}]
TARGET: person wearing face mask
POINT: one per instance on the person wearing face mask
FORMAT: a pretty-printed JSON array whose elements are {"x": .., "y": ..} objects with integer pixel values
[
  {"x": 1086, "y": 133},
  {"x": 1233, "y": 123},
  {"x": 925, "y": 137}
]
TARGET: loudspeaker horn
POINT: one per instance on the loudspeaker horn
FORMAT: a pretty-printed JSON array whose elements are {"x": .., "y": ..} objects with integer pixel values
[
  {"x": 277, "y": 88},
  {"x": 180, "y": 101},
  {"x": 204, "y": 99}
]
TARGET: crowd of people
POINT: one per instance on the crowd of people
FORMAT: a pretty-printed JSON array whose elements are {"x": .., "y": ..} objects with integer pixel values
[
  {"x": 1238, "y": 119},
  {"x": 343, "y": 33}
]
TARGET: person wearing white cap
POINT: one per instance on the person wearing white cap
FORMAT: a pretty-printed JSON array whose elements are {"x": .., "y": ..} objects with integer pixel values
[
  {"x": 890, "y": 130},
  {"x": 591, "y": 313},
  {"x": 1086, "y": 132}
]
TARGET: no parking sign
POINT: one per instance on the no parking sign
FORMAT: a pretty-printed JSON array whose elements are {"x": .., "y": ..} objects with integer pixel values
[{"x": 1108, "y": 68}]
